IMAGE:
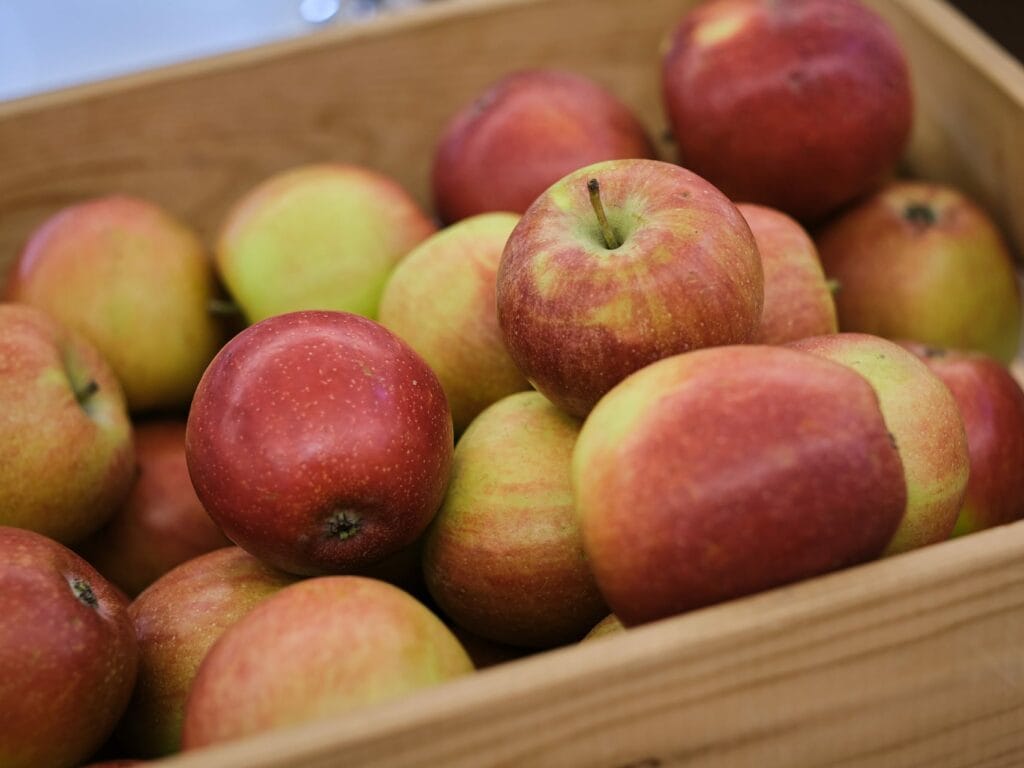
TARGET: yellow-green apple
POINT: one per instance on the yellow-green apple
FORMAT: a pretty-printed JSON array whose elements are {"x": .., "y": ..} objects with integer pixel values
[
  {"x": 504, "y": 556},
  {"x": 319, "y": 442},
  {"x": 524, "y": 133},
  {"x": 802, "y": 106},
  {"x": 722, "y": 472},
  {"x": 135, "y": 282},
  {"x": 919, "y": 261},
  {"x": 458, "y": 335},
  {"x": 334, "y": 644},
  {"x": 322, "y": 236},
  {"x": 927, "y": 430},
  {"x": 797, "y": 298},
  {"x": 161, "y": 524},
  {"x": 67, "y": 651},
  {"x": 620, "y": 264},
  {"x": 609, "y": 625},
  {"x": 177, "y": 619},
  {"x": 66, "y": 459},
  {"x": 992, "y": 407}
]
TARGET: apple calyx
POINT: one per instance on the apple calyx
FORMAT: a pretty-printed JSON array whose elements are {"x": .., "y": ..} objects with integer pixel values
[
  {"x": 610, "y": 239},
  {"x": 83, "y": 591},
  {"x": 86, "y": 391},
  {"x": 920, "y": 214},
  {"x": 343, "y": 524}
]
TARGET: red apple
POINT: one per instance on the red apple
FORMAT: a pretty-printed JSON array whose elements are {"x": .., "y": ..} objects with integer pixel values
[
  {"x": 992, "y": 407},
  {"x": 66, "y": 459},
  {"x": 457, "y": 336},
  {"x": 797, "y": 298},
  {"x": 504, "y": 556},
  {"x": 319, "y": 442},
  {"x": 177, "y": 619},
  {"x": 336, "y": 644},
  {"x": 802, "y": 106},
  {"x": 162, "y": 524},
  {"x": 135, "y": 282},
  {"x": 618, "y": 265},
  {"x": 67, "y": 651},
  {"x": 524, "y": 133},
  {"x": 723, "y": 472},
  {"x": 921, "y": 262}
]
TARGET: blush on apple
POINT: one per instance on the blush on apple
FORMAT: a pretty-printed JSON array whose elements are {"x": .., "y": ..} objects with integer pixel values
[
  {"x": 802, "y": 106},
  {"x": 621, "y": 264},
  {"x": 319, "y": 442},
  {"x": 523, "y": 134}
]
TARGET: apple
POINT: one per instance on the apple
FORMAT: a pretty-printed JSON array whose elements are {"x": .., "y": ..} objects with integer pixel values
[
  {"x": 927, "y": 430},
  {"x": 458, "y": 336},
  {"x": 919, "y": 261},
  {"x": 802, "y": 106},
  {"x": 177, "y": 619},
  {"x": 797, "y": 298},
  {"x": 504, "y": 556},
  {"x": 991, "y": 404},
  {"x": 161, "y": 524},
  {"x": 321, "y": 236},
  {"x": 135, "y": 282},
  {"x": 66, "y": 459},
  {"x": 723, "y": 472},
  {"x": 319, "y": 442},
  {"x": 618, "y": 265},
  {"x": 524, "y": 133},
  {"x": 67, "y": 651},
  {"x": 609, "y": 625},
  {"x": 116, "y": 764},
  {"x": 337, "y": 644},
  {"x": 485, "y": 653}
]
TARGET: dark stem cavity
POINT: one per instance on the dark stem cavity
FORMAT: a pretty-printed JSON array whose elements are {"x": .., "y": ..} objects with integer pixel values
[
  {"x": 343, "y": 524},
  {"x": 223, "y": 308},
  {"x": 919, "y": 214},
  {"x": 610, "y": 238},
  {"x": 83, "y": 591},
  {"x": 84, "y": 392}
]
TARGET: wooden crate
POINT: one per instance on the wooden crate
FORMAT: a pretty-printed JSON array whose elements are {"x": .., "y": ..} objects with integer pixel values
[{"x": 917, "y": 660}]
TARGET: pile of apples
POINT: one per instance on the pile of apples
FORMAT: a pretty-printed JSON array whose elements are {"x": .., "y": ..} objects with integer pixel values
[{"x": 641, "y": 362}]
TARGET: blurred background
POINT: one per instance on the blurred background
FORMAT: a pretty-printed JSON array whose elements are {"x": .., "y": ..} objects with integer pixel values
[{"x": 51, "y": 44}]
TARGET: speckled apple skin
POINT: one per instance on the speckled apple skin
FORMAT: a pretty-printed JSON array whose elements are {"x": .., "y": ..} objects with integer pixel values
[
  {"x": 177, "y": 619},
  {"x": 321, "y": 236},
  {"x": 991, "y": 404},
  {"x": 309, "y": 416},
  {"x": 950, "y": 283},
  {"x": 161, "y": 524},
  {"x": 338, "y": 644},
  {"x": 925, "y": 423},
  {"x": 64, "y": 468},
  {"x": 136, "y": 283},
  {"x": 800, "y": 105},
  {"x": 578, "y": 318},
  {"x": 441, "y": 301},
  {"x": 797, "y": 300},
  {"x": 727, "y": 471},
  {"x": 504, "y": 557},
  {"x": 68, "y": 666},
  {"x": 524, "y": 133}
]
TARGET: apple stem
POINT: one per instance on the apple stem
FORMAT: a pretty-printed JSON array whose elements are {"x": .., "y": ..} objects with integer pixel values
[
  {"x": 833, "y": 285},
  {"x": 86, "y": 391},
  {"x": 920, "y": 214},
  {"x": 607, "y": 232}
]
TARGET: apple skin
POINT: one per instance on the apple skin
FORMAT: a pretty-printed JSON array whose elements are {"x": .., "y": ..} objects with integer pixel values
[
  {"x": 522, "y": 134},
  {"x": 458, "y": 336},
  {"x": 991, "y": 404},
  {"x": 920, "y": 262},
  {"x": 161, "y": 524},
  {"x": 67, "y": 651},
  {"x": 578, "y": 318},
  {"x": 339, "y": 643},
  {"x": 922, "y": 416},
  {"x": 65, "y": 466},
  {"x": 319, "y": 442},
  {"x": 321, "y": 236},
  {"x": 135, "y": 282},
  {"x": 609, "y": 625},
  {"x": 727, "y": 471},
  {"x": 177, "y": 619},
  {"x": 504, "y": 556},
  {"x": 797, "y": 299},
  {"x": 802, "y": 106}
]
